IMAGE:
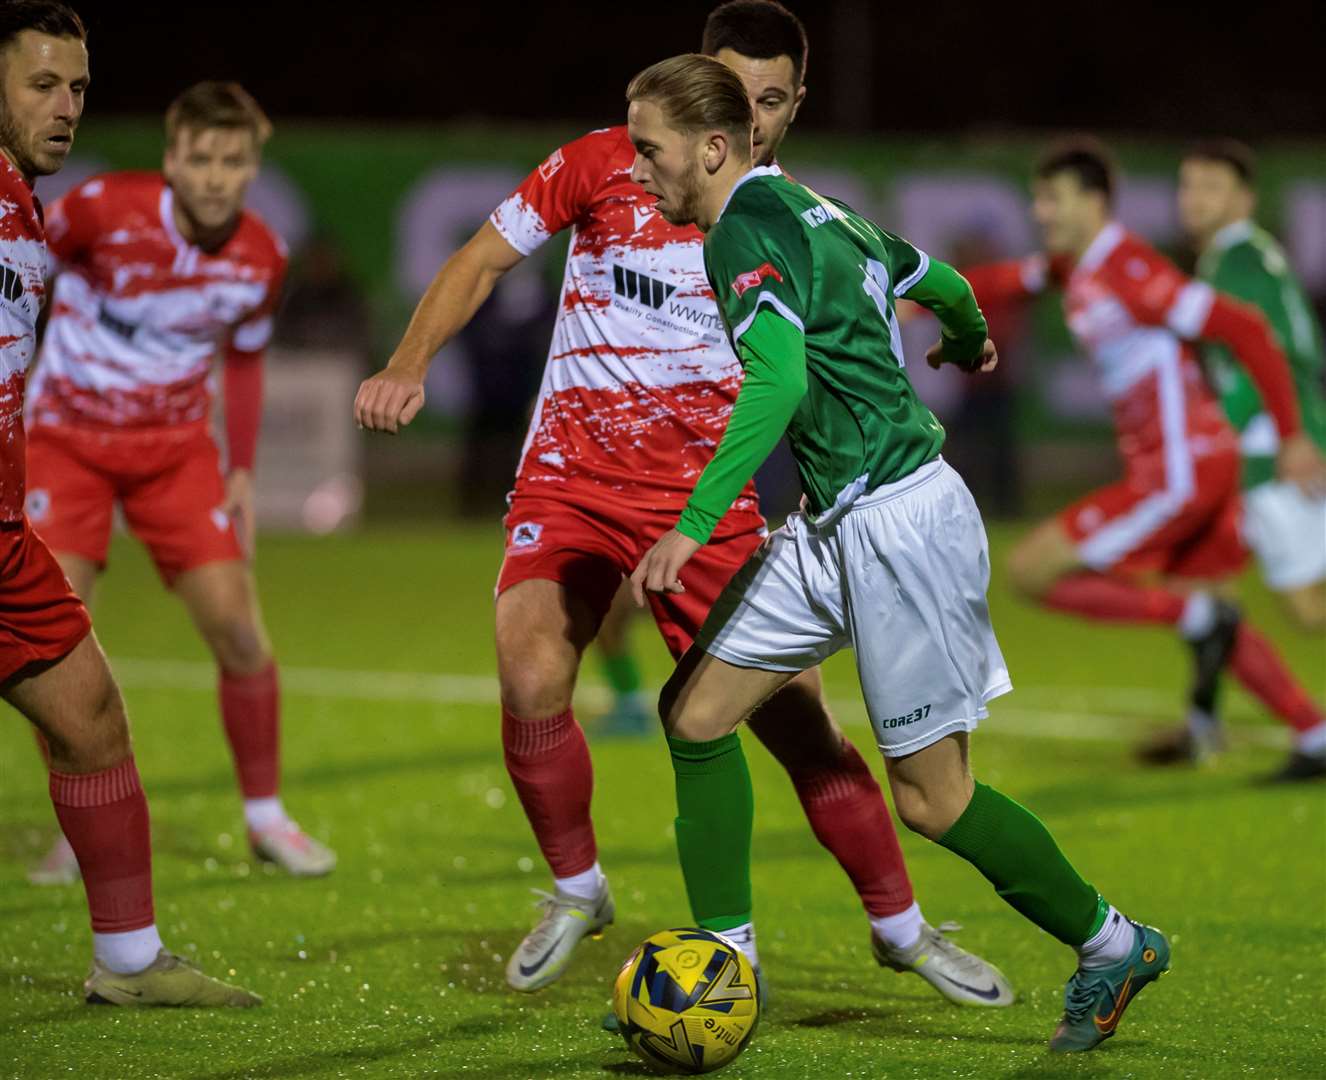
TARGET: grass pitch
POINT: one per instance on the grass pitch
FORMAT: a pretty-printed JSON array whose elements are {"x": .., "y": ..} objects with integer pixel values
[{"x": 392, "y": 967}]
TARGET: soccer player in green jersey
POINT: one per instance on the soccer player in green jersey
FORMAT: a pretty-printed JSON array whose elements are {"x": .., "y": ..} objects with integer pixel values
[
  {"x": 888, "y": 555},
  {"x": 1283, "y": 525}
]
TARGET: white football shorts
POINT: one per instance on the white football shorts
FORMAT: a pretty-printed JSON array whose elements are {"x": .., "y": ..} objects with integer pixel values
[{"x": 901, "y": 578}]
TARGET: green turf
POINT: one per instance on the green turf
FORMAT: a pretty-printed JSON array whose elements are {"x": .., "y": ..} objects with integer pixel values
[{"x": 393, "y": 966}]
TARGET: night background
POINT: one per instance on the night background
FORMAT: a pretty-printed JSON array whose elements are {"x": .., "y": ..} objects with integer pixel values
[{"x": 1250, "y": 70}]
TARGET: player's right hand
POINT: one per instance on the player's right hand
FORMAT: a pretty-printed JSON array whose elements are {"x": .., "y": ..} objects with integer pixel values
[
  {"x": 984, "y": 362},
  {"x": 1300, "y": 462},
  {"x": 388, "y": 401}
]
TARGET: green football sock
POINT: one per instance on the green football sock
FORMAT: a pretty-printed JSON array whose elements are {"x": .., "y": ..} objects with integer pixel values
[
  {"x": 715, "y": 815},
  {"x": 623, "y": 673},
  {"x": 1009, "y": 845}
]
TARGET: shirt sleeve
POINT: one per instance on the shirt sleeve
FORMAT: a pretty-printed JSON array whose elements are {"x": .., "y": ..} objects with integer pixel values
[
  {"x": 1013, "y": 279},
  {"x": 1157, "y": 293},
  {"x": 751, "y": 274},
  {"x": 242, "y": 374},
  {"x": 773, "y": 352},
  {"x": 556, "y": 194},
  {"x": 942, "y": 290},
  {"x": 73, "y": 221}
]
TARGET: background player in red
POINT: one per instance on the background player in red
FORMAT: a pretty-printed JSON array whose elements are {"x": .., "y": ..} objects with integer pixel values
[
  {"x": 638, "y": 387},
  {"x": 51, "y": 667},
  {"x": 1154, "y": 546},
  {"x": 159, "y": 275}
]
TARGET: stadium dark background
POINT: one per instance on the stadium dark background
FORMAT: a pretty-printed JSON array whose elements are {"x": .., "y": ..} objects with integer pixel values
[{"x": 1122, "y": 66}]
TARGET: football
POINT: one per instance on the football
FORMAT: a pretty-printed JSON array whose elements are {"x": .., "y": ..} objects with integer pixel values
[{"x": 686, "y": 1001}]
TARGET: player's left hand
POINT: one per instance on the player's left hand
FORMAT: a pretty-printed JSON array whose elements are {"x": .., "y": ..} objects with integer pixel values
[
  {"x": 659, "y": 569},
  {"x": 1300, "y": 462},
  {"x": 985, "y": 363},
  {"x": 239, "y": 508}
]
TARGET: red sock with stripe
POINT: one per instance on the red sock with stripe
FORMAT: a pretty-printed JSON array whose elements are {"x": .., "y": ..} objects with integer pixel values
[
  {"x": 104, "y": 816},
  {"x": 1265, "y": 676},
  {"x": 1111, "y": 599},
  {"x": 548, "y": 761},
  {"x": 250, "y": 713},
  {"x": 848, "y": 815}
]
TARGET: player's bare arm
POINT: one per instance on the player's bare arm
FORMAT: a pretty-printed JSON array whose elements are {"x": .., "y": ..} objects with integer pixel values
[
  {"x": 239, "y": 508},
  {"x": 393, "y": 397},
  {"x": 1299, "y": 462}
]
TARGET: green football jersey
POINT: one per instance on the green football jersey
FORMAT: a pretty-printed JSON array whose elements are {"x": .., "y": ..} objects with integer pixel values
[
  {"x": 834, "y": 275},
  {"x": 1244, "y": 261}
]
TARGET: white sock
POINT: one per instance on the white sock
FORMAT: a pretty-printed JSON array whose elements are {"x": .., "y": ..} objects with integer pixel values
[
  {"x": 743, "y": 937},
  {"x": 1202, "y": 725},
  {"x": 901, "y": 930},
  {"x": 1199, "y": 616},
  {"x": 1312, "y": 741},
  {"x": 584, "y": 886},
  {"x": 264, "y": 813},
  {"x": 1111, "y": 944},
  {"x": 128, "y": 952}
]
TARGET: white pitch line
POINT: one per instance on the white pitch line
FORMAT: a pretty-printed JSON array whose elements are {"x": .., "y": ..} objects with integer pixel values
[{"x": 1022, "y": 715}]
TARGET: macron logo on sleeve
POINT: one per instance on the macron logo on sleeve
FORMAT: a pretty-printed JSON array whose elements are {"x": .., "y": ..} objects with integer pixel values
[
  {"x": 752, "y": 278},
  {"x": 549, "y": 168}
]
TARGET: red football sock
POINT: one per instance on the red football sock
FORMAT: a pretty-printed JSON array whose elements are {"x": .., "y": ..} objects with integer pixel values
[
  {"x": 1110, "y": 599},
  {"x": 847, "y": 812},
  {"x": 104, "y": 816},
  {"x": 548, "y": 761},
  {"x": 250, "y": 712},
  {"x": 1265, "y": 676}
]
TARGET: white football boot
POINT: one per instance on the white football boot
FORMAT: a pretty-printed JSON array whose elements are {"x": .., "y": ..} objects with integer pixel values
[
  {"x": 962, "y": 977},
  {"x": 59, "y": 867},
  {"x": 292, "y": 849},
  {"x": 546, "y": 951}
]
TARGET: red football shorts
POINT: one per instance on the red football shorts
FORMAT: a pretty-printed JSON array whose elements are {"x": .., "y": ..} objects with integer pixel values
[
  {"x": 40, "y": 617},
  {"x": 588, "y": 545},
  {"x": 167, "y": 481},
  {"x": 1190, "y": 530}
]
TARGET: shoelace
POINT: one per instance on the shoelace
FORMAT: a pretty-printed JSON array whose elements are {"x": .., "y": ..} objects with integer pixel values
[
  {"x": 550, "y": 903},
  {"x": 1081, "y": 994},
  {"x": 964, "y": 961}
]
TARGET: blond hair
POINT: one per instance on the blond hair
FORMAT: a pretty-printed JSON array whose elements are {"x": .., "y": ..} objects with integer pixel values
[
  {"x": 217, "y": 105},
  {"x": 697, "y": 93}
]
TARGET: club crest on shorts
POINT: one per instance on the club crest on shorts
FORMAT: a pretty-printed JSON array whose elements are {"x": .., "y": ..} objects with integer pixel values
[
  {"x": 220, "y": 519},
  {"x": 37, "y": 504},
  {"x": 526, "y": 534}
]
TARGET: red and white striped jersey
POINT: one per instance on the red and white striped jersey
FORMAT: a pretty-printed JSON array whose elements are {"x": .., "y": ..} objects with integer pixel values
[
  {"x": 22, "y": 289},
  {"x": 138, "y": 313},
  {"x": 1135, "y": 313},
  {"x": 640, "y": 380}
]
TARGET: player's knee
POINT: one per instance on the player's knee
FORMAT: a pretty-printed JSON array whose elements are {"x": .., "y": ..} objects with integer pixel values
[
  {"x": 919, "y": 815},
  {"x": 239, "y": 646},
  {"x": 534, "y": 689},
  {"x": 795, "y": 726},
  {"x": 928, "y": 809},
  {"x": 96, "y": 741},
  {"x": 1307, "y": 607}
]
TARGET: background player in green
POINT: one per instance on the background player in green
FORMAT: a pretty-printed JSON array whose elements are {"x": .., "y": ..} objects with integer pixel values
[
  {"x": 1285, "y": 527},
  {"x": 888, "y": 554}
]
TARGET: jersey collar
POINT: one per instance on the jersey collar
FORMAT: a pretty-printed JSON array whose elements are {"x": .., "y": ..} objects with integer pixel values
[
  {"x": 1234, "y": 233},
  {"x": 759, "y": 170},
  {"x": 1100, "y": 248}
]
